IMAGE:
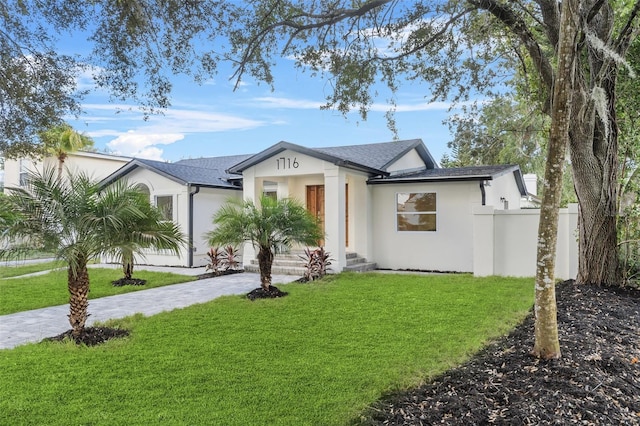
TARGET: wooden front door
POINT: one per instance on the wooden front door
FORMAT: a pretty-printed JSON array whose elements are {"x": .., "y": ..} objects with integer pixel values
[{"x": 315, "y": 205}]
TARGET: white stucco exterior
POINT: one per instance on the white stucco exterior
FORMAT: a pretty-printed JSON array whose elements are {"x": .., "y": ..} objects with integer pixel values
[
  {"x": 472, "y": 221},
  {"x": 96, "y": 165},
  {"x": 206, "y": 201}
]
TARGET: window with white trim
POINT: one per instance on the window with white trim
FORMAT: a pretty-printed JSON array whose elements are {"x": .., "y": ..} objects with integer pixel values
[
  {"x": 165, "y": 204},
  {"x": 416, "y": 211},
  {"x": 25, "y": 166}
]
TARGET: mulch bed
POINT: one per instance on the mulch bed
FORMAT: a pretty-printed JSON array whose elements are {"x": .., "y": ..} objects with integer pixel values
[
  {"x": 596, "y": 382},
  {"x": 260, "y": 293},
  {"x": 219, "y": 273},
  {"x": 132, "y": 281},
  {"x": 91, "y": 336}
]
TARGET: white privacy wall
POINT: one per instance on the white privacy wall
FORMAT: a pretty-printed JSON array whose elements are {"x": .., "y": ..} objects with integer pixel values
[{"x": 505, "y": 242}]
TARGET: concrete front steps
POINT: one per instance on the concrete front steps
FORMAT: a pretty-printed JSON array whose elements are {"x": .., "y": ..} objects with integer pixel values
[{"x": 292, "y": 264}]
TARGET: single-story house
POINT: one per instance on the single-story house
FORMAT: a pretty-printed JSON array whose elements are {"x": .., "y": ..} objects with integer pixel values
[{"x": 389, "y": 203}]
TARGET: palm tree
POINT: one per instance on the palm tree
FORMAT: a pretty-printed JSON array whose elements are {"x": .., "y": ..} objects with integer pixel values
[
  {"x": 76, "y": 221},
  {"x": 146, "y": 230},
  {"x": 274, "y": 223},
  {"x": 61, "y": 140}
]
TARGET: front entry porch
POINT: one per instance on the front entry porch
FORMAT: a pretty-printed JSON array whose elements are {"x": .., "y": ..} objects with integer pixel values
[
  {"x": 292, "y": 264},
  {"x": 337, "y": 195}
]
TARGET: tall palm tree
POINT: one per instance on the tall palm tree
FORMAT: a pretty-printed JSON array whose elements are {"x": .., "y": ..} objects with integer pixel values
[
  {"x": 146, "y": 230},
  {"x": 76, "y": 221},
  {"x": 272, "y": 224},
  {"x": 61, "y": 140}
]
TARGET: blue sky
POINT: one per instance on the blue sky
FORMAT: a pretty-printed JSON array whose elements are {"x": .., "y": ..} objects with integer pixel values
[{"x": 211, "y": 119}]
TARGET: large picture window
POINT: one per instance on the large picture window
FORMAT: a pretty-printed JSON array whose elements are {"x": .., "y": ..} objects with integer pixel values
[
  {"x": 165, "y": 204},
  {"x": 416, "y": 211}
]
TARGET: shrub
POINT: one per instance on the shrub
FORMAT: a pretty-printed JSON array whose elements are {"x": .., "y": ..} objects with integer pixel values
[
  {"x": 215, "y": 260},
  {"x": 230, "y": 258},
  {"x": 316, "y": 263}
]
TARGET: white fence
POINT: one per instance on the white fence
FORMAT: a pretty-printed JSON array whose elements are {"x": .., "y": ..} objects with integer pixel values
[{"x": 505, "y": 242}]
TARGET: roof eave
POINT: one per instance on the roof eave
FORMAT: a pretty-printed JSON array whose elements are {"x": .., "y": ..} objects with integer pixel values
[{"x": 379, "y": 181}]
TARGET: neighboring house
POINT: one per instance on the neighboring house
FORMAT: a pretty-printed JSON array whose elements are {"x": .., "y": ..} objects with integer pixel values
[{"x": 97, "y": 165}]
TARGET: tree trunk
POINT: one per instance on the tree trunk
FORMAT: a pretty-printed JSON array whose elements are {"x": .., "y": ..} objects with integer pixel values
[
  {"x": 265, "y": 260},
  {"x": 127, "y": 265},
  {"x": 594, "y": 157},
  {"x": 78, "y": 299},
  {"x": 547, "y": 344}
]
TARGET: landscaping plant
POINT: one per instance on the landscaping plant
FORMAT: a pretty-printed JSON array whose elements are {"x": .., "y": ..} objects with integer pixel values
[
  {"x": 230, "y": 258},
  {"x": 77, "y": 221},
  {"x": 315, "y": 263},
  {"x": 270, "y": 224}
]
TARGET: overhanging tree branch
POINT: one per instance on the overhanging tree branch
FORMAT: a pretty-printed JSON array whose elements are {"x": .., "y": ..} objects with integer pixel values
[{"x": 507, "y": 16}]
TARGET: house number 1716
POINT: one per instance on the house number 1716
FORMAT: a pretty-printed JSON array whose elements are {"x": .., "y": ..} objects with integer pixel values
[{"x": 284, "y": 163}]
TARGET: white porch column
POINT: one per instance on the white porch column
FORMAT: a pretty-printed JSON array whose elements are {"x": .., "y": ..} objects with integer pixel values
[
  {"x": 360, "y": 217},
  {"x": 334, "y": 216},
  {"x": 251, "y": 190}
]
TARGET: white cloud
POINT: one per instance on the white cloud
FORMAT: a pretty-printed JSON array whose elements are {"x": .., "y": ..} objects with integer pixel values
[
  {"x": 144, "y": 138},
  {"x": 143, "y": 145}
]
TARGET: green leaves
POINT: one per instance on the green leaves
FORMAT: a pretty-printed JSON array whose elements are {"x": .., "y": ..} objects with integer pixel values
[{"x": 273, "y": 223}]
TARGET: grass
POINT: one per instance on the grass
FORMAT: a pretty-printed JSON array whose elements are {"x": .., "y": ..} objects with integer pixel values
[
  {"x": 316, "y": 357},
  {"x": 17, "y": 269},
  {"x": 22, "y": 294}
]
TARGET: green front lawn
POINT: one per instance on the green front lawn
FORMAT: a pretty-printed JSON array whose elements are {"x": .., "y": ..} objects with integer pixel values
[
  {"x": 316, "y": 357},
  {"x": 40, "y": 291},
  {"x": 17, "y": 269}
]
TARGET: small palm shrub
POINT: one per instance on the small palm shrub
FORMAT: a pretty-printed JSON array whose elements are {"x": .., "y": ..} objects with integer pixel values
[{"x": 316, "y": 263}]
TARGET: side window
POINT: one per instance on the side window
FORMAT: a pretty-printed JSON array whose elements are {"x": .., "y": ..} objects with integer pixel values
[
  {"x": 165, "y": 204},
  {"x": 416, "y": 211},
  {"x": 24, "y": 171}
]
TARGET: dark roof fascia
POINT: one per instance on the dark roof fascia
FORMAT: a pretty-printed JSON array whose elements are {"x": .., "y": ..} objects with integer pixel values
[
  {"x": 522, "y": 186},
  {"x": 422, "y": 151},
  {"x": 383, "y": 181},
  {"x": 134, "y": 164},
  {"x": 283, "y": 146}
]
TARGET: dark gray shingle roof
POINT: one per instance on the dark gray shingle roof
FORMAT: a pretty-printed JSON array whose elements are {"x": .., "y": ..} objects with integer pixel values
[
  {"x": 372, "y": 158},
  {"x": 455, "y": 174},
  {"x": 215, "y": 163},
  {"x": 179, "y": 172},
  {"x": 378, "y": 155}
]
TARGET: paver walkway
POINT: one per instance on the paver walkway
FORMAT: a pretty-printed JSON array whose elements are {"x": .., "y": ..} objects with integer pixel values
[{"x": 33, "y": 326}]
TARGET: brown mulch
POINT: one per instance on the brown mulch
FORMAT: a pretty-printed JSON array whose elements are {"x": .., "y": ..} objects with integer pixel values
[
  {"x": 91, "y": 336},
  {"x": 596, "y": 382}
]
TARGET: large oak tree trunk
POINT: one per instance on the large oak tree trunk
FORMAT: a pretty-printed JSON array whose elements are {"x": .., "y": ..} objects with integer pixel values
[
  {"x": 78, "y": 299},
  {"x": 594, "y": 157}
]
